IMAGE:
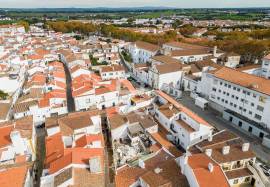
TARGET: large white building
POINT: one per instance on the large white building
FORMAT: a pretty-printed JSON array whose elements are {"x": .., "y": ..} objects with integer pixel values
[
  {"x": 141, "y": 52},
  {"x": 243, "y": 98}
]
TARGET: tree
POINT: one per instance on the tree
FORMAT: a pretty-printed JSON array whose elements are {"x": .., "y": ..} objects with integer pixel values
[
  {"x": 3, "y": 95},
  {"x": 177, "y": 23},
  {"x": 25, "y": 24}
]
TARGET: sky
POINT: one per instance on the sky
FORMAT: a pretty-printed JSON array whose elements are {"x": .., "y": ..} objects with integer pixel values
[{"x": 132, "y": 3}]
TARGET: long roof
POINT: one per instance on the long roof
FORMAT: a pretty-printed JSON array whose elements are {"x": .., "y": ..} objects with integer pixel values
[
  {"x": 246, "y": 80},
  {"x": 147, "y": 46}
]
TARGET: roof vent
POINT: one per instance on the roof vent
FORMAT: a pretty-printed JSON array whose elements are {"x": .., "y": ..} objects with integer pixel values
[
  {"x": 141, "y": 164},
  {"x": 226, "y": 150},
  {"x": 208, "y": 152},
  {"x": 157, "y": 170},
  {"x": 254, "y": 85},
  {"x": 245, "y": 147},
  {"x": 211, "y": 167}
]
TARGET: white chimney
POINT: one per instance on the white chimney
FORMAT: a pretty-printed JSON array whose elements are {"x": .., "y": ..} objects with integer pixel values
[
  {"x": 211, "y": 167},
  {"x": 215, "y": 51},
  {"x": 225, "y": 150},
  {"x": 17, "y": 142},
  {"x": 185, "y": 159},
  {"x": 210, "y": 138},
  {"x": 95, "y": 165},
  {"x": 208, "y": 152},
  {"x": 141, "y": 164},
  {"x": 157, "y": 170},
  {"x": 170, "y": 106},
  {"x": 245, "y": 147}
]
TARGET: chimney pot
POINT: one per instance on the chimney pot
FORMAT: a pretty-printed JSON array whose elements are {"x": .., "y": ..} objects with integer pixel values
[{"x": 226, "y": 150}]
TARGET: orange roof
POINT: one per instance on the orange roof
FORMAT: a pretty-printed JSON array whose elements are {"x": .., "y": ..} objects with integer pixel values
[
  {"x": 89, "y": 139},
  {"x": 76, "y": 156},
  {"x": 82, "y": 90},
  {"x": 102, "y": 90},
  {"x": 160, "y": 137},
  {"x": 54, "y": 148},
  {"x": 246, "y": 80},
  {"x": 205, "y": 178},
  {"x": 183, "y": 108},
  {"x": 14, "y": 177},
  {"x": 267, "y": 57},
  {"x": 5, "y": 135},
  {"x": 111, "y": 111},
  {"x": 44, "y": 103},
  {"x": 56, "y": 93},
  {"x": 39, "y": 78},
  {"x": 57, "y": 83},
  {"x": 59, "y": 74},
  {"x": 126, "y": 83}
]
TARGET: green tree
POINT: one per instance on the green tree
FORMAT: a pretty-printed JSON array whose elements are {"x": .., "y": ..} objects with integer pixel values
[{"x": 3, "y": 95}]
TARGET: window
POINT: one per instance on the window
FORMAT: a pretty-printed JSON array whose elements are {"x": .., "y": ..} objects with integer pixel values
[
  {"x": 252, "y": 104},
  {"x": 214, "y": 89},
  {"x": 260, "y": 108},
  {"x": 234, "y": 88},
  {"x": 258, "y": 117},
  {"x": 238, "y": 89},
  {"x": 235, "y": 181},
  {"x": 229, "y": 86},
  {"x": 240, "y": 123},
  {"x": 250, "y": 112},
  {"x": 254, "y": 95},
  {"x": 247, "y": 179},
  {"x": 232, "y": 96}
]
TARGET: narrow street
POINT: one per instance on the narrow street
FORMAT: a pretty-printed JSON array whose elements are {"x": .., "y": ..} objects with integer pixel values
[
  {"x": 40, "y": 149},
  {"x": 215, "y": 119},
  {"x": 109, "y": 167},
  {"x": 70, "y": 99}
]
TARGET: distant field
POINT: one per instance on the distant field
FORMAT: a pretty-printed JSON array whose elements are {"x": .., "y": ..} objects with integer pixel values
[{"x": 198, "y": 14}]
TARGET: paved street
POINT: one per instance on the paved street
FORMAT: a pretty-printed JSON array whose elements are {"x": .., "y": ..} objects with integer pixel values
[
  {"x": 70, "y": 100},
  {"x": 216, "y": 120}
]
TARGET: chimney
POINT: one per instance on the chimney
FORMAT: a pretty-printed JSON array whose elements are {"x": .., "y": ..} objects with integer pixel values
[
  {"x": 17, "y": 142},
  {"x": 185, "y": 159},
  {"x": 210, "y": 167},
  {"x": 141, "y": 164},
  {"x": 215, "y": 51},
  {"x": 208, "y": 152},
  {"x": 95, "y": 166},
  {"x": 210, "y": 138},
  {"x": 157, "y": 170},
  {"x": 225, "y": 150},
  {"x": 245, "y": 147}
]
